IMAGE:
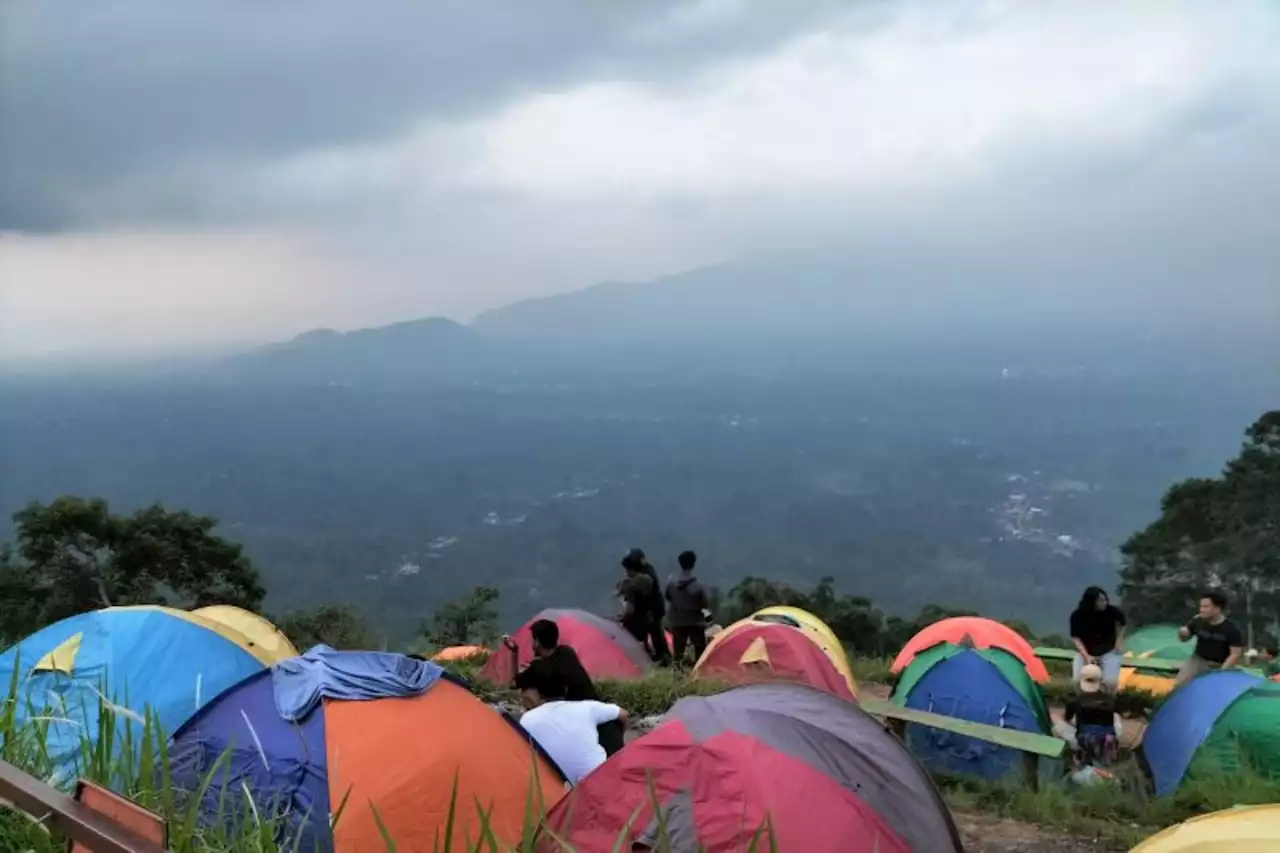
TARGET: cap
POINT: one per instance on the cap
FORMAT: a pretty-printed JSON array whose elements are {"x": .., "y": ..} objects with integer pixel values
[
  {"x": 635, "y": 557},
  {"x": 1090, "y": 678}
]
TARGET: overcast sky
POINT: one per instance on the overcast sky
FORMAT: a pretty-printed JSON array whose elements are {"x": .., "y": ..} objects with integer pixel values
[{"x": 222, "y": 172}]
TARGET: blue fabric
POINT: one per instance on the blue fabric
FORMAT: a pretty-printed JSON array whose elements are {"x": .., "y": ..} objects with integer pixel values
[
  {"x": 146, "y": 662},
  {"x": 301, "y": 683},
  {"x": 1184, "y": 721},
  {"x": 968, "y": 687},
  {"x": 282, "y": 764}
]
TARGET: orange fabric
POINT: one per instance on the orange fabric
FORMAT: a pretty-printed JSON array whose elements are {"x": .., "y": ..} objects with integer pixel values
[
  {"x": 403, "y": 755},
  {"x": 461, "y": 653},
  {"x": 982, "y": 634}
]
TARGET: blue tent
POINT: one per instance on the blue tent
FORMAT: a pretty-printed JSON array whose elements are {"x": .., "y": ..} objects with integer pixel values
[
  {"x": 987, "y": 686},
  {"x": 144, "y": 660}
]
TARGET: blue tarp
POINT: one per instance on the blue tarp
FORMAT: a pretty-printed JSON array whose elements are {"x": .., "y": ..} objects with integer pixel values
[{"x": 301, "y": 683}]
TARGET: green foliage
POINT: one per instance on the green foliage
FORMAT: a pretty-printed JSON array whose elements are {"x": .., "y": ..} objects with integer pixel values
[
  {"x": 73, "y": 555},
  {"x": 657, "y": 692},
  {"x": 472, "y": 620},
  {"x": 1222, "y": 531},
  {"x": 334, "y": 625}
]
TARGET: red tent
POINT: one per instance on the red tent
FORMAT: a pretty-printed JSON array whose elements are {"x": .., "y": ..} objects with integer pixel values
[
  {"x": 605, "y": 649},
  {"x": 805, "y": 770},
  {"x": 750, "y": 651},
  {"x": 979, "y": 633}
]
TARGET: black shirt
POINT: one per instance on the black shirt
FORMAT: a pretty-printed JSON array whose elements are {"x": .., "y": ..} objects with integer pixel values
[
  {"x": 1097, "y": 629},
  {"x": 1215, "y": 642},
  {"x": 563, "y": 660},
  {"x": 1096, "y": 709}
]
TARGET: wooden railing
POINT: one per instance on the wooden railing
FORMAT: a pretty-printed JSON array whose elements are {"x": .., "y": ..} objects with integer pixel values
[{"x": 89, "y": 829}]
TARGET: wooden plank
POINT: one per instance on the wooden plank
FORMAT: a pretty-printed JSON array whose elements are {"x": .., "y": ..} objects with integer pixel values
[
  {"x": 1050, "y": 653},
  {"x": 124, "y": 813},
  {"x": 1050, "y": 747},
  {"x": 1152, "y": 664},
  {"x": 77, "y": 821}
]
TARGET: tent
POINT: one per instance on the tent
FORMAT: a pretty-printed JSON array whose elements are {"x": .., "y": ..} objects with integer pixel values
[
  {"x": 826, "y": 775},
  {"x": 1215, "y": 722},
  {"x": 396, "y": 752},
  {"x": 770, "y": 651},
  {"x": 976, "y": 631},
  {"x": 820, "y": 631},
  {"x": 461, "y": 653},
  {"x": 604, "y": 647},
  {"x": 1251, "y": 829},
  {"x": 257, "y": 631},
  {"x": 145, "y": 660},
  {"x": 1159, "y": 642},
  {"x": 982, "y": 685}
]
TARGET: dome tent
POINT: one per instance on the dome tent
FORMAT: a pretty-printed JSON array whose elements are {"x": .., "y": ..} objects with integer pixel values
[
  {"x": 987, "y": 686},
  {"x": 721, "y": 766},
  {"x": 750, "y": 651},
  {"x": 1249, "y": 829},
  {"x": 819, "y": 630},
  {"x": 978, "y": 632},
  {"x": 261, "y": 637},
  {"x": 144, "y": 660},
  {"x": 1160, "y": 642},
  {"x": 604, "y": 647},
  {"x": 399, "y": 749},
  {"x": 1216, "y": 721}
]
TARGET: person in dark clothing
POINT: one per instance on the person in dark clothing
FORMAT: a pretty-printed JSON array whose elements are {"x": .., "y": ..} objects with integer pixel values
[
  {"x": 688, "y": 599},
  {"x": 636, "y": 591},
  {"x": 556, "y": 664},
  {"x": 1093, "y": 712},
  {"x": 1097, "y": 629},
  {"x": 657, "y": 606},
  {"x": 1219, "y": 640}
]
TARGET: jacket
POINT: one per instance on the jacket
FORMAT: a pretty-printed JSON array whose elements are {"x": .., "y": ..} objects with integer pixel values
[{"x": 688, "y": 599}]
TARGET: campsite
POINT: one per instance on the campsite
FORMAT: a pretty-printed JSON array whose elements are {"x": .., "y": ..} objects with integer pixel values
[{"x": 238, "y": 742}]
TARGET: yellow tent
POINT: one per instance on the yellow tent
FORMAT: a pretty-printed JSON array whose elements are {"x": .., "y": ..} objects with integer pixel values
[
  {"x": 1253, "y": 829},
  {"x": 813, "y": 626},
  {"x": 252, "y": 632},
  {"x": 1133, "y": 679}
]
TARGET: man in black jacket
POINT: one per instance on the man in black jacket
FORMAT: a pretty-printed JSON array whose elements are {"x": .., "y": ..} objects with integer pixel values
[
  {"x": 688, "y": 599},
  {"x": 553, "y": 662},
  {"x": 659, "y": 651}
]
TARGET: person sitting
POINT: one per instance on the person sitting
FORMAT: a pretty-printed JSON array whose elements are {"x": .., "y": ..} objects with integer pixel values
[
  {"x": 553, "y": 660},
  {"x": 1268, "y": 660},
  {"x": 566, "y": 730},
  {"x": 1219, "y": 641},
  {"x": 1093, "y": 712},
  {"x": 1097, "y": 629},
  {"x": 688, "y": 599}
]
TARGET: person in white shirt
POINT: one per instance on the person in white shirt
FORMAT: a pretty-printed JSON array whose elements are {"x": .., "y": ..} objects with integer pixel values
[{"x": 566, "y": 730}]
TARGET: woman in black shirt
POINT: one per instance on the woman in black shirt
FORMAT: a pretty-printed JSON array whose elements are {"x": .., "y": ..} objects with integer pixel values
[{"x": 1097, "y": 629}]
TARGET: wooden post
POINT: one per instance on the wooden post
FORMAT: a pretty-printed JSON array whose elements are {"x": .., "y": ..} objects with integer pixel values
[{"x": 1031, "y": 767}]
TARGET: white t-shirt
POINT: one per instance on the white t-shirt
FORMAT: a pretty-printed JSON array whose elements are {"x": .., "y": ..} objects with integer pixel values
[{"x": 567, "y": 731}]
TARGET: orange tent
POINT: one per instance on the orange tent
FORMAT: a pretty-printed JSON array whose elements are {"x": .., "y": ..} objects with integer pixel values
[
  {"x": 461, "y": 653},
  {"x": 978, "y": 632}
]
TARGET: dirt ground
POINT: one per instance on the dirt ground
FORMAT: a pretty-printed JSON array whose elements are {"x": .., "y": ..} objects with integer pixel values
[{"x": 985, "y": 834}]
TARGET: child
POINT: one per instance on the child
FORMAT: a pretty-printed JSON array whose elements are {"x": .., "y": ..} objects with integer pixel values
[{"x": 1093, "y": 712}]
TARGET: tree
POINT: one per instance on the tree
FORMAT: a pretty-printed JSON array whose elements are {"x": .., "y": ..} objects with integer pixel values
[
  {"x": 467, "y": 621},
  {"x": 73, "y": 555},
  {"x": 1221, "y": 532},
  {"x": 335, "y": 625}
]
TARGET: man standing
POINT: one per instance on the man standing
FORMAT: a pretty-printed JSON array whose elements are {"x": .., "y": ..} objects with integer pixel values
[
  {"x": 1097, "y": 629},
  {"x": 567, "y": 730},
  {"x": 688, "y": 599},
  {"x": 1219, "y": 640},
  {"x": 556, "y": 663},
  {"x": 637, "y": 562}
]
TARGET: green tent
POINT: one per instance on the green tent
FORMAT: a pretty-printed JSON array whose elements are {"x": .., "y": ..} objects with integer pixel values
[{"x": 1159, "y": 642}]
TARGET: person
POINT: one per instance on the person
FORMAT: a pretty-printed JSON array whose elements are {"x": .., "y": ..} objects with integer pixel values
[
  {"x": 687, "y": 615},
  {"x": 1097, "y": 629},
  {"x": 635, "y": 590},
  {"x": 657, "y": 607},
  {"x": 1268, "y": 660},
  {"x": 1093, "y": 712},
  {"x": 1219, "y": 640},
  {"x": 566, "y": 730},
  {"x": 553, "y": 660}
]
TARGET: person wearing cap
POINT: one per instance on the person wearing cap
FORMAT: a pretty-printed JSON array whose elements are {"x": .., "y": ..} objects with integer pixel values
[
  {"x": 1093, "y": 712},
  {"x": 635, "y": 590},
  {"x": 657, "y": 607}
]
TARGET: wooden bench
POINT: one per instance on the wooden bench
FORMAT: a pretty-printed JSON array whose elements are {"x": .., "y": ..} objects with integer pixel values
[
  {"x": 1151, "y": 664},
  {"x": 1032, "y": 746},
  {"x": 83, "y": 822}
]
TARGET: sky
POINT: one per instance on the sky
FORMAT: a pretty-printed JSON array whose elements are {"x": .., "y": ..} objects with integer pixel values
[{"x": 219, "y": 173}]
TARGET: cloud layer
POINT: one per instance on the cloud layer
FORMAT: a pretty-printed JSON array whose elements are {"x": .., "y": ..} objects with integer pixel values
[{"x": 451, "y": 157}]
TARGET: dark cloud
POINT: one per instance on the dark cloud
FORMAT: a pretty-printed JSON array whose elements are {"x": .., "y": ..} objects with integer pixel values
[{"x": 98, "y": 96}]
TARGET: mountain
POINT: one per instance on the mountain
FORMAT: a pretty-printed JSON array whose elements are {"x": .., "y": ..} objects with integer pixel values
[{"x": 431, "y": 348}]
